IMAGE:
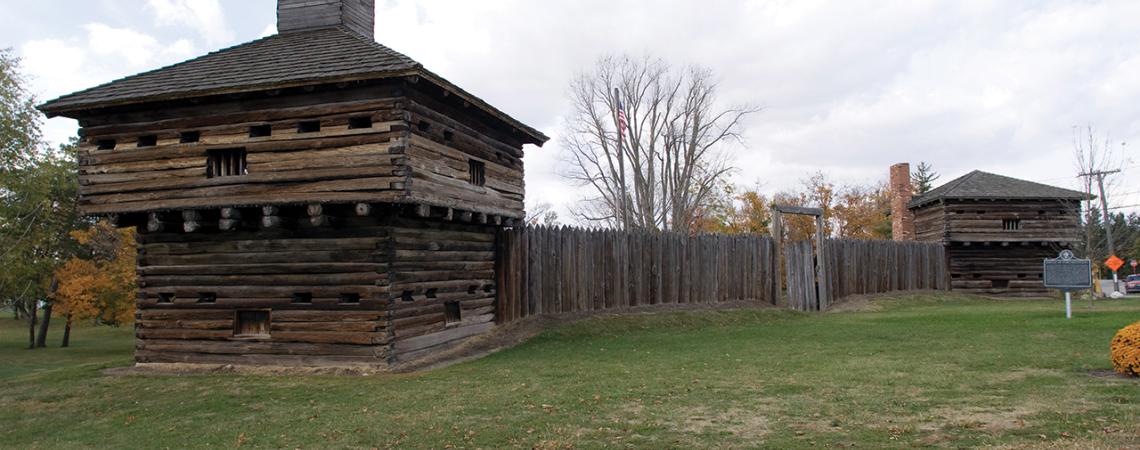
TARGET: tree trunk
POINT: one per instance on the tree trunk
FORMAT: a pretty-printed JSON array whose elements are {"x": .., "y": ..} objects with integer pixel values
[
  {"x": 67, "y": 332},
  {"x": 32, "y": 325},
  {"x": 41, "y": 340}
]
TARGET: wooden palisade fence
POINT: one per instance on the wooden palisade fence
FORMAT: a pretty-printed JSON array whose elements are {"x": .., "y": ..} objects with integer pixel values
[
  {"x": 559, "y": 270},
  {"x": 871, "y": 267},
  {"x": 545, "y": 270}
]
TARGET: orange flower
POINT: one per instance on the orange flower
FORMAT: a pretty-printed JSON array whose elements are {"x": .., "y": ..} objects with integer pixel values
[{"x": 1126, "y": 350}]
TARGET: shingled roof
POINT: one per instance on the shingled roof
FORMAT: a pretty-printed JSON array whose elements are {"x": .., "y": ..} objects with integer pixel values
[
  {"x": 988, "y": 186},
  {"x": 323, "y": 55}
]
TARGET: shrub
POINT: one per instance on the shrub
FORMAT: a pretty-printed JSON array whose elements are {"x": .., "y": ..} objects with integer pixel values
[{"x": 1126, "y": 350}]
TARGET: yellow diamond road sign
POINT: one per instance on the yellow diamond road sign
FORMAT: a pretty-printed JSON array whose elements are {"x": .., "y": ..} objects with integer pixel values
[{"x": 1114, "y": 263}]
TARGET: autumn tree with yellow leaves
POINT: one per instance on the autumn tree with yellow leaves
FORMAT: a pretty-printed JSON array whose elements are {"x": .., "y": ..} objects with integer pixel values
[{"x": 99, "y": 283}]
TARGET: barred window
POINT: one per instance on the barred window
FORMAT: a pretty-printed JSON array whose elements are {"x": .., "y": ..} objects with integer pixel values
[
  {"x": 228, "y": 162},
  {"x": 477, "y": 171}
]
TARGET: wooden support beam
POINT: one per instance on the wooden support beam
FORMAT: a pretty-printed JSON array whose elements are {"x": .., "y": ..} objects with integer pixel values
[
  {"x": 191, "y": 220},
  {"x": 317, "y": 216},
  {"x": 480, "y": 218},
  {"x": 155, "y": 222},
  {"x": 448, "y": 214},
  {"x": 270, "y": 217},
  {"x": 423, "y": 210},
  {"x": 231, "y": 213},
  {"x": 231, "y": 219},
  {"x": 364, "y": 209},
  {"x": 497, "y": 220},
  {"x": 465, "y": 216}
]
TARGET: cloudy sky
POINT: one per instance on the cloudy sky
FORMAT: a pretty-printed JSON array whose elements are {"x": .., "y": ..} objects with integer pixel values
[{"x": 848, "y": 87}]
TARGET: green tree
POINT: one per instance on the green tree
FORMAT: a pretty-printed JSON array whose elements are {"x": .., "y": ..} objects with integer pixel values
[
  {"x": 38, "y": 191},
  {"x": 923, "y": 178}
]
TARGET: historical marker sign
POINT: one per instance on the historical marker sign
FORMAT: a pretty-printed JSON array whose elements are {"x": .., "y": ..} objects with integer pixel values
[{"x": 1066, "y": 272}]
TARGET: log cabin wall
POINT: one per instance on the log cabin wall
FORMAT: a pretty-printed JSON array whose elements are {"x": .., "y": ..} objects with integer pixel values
[
  {"x": 301, "y": 148},
  {"x": 323, "y": 292},
  {"x": 930, "y": 223},
  {"x": 456, "y": 160},
  {"x": 443, "y": 284},
  {"x": 1003, "y": 269}
]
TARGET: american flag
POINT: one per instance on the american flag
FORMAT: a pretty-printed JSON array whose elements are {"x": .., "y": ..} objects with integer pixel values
[{"x": 622, "y": 124}]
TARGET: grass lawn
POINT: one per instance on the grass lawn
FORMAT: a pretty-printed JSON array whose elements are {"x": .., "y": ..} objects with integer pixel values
[{"x": 908, "y": 371}]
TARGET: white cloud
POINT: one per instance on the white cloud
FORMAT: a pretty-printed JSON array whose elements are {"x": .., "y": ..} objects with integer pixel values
[
  {"x": 136, "y": 48},
  {"x": 204, "y": 16},
  {"x": 850, "y": 87}
]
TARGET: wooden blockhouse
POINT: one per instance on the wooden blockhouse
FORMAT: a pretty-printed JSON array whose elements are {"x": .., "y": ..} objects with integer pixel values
[
  {"x": 310, "y": 198},
  {"x": 996, "y": 229}
]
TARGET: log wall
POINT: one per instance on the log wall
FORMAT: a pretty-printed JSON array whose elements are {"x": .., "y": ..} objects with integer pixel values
[
  {"x": 414, "y": 149},
  {"x": 1005, "y": 270},
  {"x": 191, "y": 286},
  {"x": 434, "y": 264}
]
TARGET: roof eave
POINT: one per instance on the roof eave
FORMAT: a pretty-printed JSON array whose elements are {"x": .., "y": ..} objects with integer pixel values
[{"x": 55, "y": 108}]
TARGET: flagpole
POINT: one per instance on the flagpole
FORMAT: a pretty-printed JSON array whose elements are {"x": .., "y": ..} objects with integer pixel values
[{"x": 621, "y": 161}]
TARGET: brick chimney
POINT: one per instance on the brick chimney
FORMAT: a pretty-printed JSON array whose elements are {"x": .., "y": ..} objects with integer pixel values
[
  {"x": 356, "y": 15},
  {"x": 902, "y": 219}
]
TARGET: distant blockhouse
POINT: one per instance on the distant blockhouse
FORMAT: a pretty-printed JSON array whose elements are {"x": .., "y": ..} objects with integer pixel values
[{"x": 997, "y": 230}]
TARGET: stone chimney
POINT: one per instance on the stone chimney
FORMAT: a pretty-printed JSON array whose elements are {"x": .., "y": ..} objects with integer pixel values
[
  {"x": 902, "y": 219},
  {"x": 356, "y": 15}
]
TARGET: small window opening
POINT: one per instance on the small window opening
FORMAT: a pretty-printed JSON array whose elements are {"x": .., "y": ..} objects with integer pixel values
[
  {"x": 956, "y": 275},
  {"x": 958, "y": 211},
  {"x": 488, "y": 288},
  {"x": 207, "y": 297},
  {"x": 350, "y": 297},
  {"x": 472, "y": 288},
  {"x": 149, "y": 140},
  {"x": 105, "y": 144},
  {"x": 166, "y": 297},
  {"x": 359, "y": 122},
  {"x": 407, "y": 296},
  {"x": 1041, "y": 213},
  {"x": 423, "y": 125},
  {"x": 187, "y": 137},
  {"x": 1011, "y": 224},
  {"x": 999, "y": 284},
  {"x": 431, "y": 293},
  {"x": 448, "y": 136},
  {"x": 451, "y": 312},
  {"x": 251, "y": 323},
  {"x": 260, "y": 131},
  {"x": 228, "y": 162},
  {"x": 1021, "y": 275},
  {"x": 309, "y": 126},
  {"x": 981, "y": 212},
  {"x": 302, "y": 297},
  {"x": 477, "y": 172}
]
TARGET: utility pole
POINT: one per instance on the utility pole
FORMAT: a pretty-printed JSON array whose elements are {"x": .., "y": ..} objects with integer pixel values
[{"x": 1100, "y": 174}]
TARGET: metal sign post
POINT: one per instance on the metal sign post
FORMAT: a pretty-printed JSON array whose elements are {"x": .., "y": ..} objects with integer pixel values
[{"x": 1067, "y": 274}]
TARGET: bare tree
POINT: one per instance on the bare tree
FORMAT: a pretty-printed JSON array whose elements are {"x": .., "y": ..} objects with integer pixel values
[
  {"x": 662, "y": 171},
  {"x": 1096, "y": 162},
  {"x": 541, "y": 214}
]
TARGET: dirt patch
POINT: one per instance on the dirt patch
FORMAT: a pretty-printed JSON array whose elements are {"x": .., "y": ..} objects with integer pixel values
[
  {"x": 178, "y": 369},
  {"x": 1027, "y": 372},
  {"x": 1110, "y": 374},
  {"x": 744, "y": 424}
]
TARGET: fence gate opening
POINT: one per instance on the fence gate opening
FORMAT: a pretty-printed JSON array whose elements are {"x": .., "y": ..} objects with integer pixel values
[{"x": 806, "y": 276}]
